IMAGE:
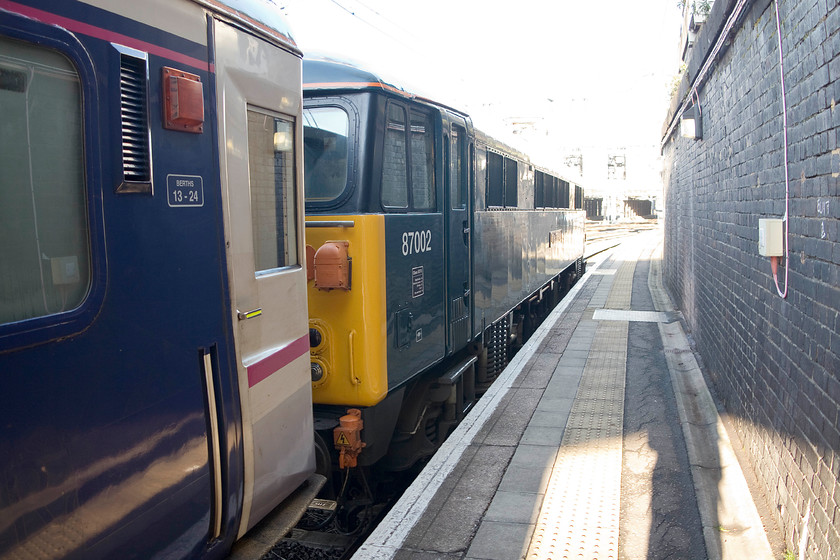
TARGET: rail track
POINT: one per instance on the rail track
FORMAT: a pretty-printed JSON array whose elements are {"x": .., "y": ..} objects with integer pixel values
[{"x": 603, "y": 236}]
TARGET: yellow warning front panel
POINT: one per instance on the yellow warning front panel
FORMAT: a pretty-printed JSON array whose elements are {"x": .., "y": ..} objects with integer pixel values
[{"x": 352, "y": 354}]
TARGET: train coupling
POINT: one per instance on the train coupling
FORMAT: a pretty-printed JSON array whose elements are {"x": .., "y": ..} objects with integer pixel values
[{"x": 347, "y": 437}]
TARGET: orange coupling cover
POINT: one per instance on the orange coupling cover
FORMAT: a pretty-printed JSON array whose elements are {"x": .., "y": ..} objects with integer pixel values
[
  {"x": 347, "y": 437},
  {"x": 332, "y": 266}
]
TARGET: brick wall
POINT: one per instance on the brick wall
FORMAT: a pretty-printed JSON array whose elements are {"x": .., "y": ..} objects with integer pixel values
[{"x": 774, "y": 362}]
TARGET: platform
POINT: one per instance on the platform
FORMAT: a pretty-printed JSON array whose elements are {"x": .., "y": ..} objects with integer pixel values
[{"x": 599, "y": 441}]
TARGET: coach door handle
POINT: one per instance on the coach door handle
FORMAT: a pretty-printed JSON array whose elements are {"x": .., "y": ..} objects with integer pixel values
[{"x": 248, "y": 314}]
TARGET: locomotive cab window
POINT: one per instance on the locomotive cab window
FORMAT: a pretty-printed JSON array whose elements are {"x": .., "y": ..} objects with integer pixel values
[
  {"x": 325, "y": 152},
  {"x": 44, "y": 235},
  {"x": 408, "y": 160},
  {"x": 394, "y": 175},
  {"x": 272, "y": 183},
  {"x": 422, "y": 162}
]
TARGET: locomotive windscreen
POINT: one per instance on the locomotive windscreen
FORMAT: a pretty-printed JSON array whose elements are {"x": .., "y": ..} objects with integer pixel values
[{"x": 325, "y": 132}]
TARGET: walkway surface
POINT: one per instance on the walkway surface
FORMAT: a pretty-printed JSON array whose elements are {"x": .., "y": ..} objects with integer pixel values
[{"x": 599, "y": 441}]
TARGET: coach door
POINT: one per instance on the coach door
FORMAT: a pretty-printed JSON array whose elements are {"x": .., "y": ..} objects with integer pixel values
[
  {"x": 457, "y": 180},
  {"x": 259, "y": 107}
]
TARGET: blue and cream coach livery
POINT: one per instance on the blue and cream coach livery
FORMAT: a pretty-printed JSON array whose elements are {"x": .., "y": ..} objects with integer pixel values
[{"x": 155, "y": 395}]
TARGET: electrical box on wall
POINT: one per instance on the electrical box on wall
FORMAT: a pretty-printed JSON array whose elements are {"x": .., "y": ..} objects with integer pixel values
[{"x": 771, "y": 237}]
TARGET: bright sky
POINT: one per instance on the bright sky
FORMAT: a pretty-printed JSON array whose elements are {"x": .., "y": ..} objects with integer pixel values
[{"x": 562, "y": 72}]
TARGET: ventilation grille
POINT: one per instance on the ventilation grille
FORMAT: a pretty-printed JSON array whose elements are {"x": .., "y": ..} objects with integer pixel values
[{"x": 135, "y": 127}]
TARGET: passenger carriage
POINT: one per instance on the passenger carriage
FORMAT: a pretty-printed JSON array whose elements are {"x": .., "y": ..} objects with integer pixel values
[{"x": 155, "y": 395}]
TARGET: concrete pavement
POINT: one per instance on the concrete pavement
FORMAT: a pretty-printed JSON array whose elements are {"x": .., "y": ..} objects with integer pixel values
[{"x": 600, "y": 440}]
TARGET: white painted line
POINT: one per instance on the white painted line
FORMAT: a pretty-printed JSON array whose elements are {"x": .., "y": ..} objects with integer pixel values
[{"x": 629, "y": 315}]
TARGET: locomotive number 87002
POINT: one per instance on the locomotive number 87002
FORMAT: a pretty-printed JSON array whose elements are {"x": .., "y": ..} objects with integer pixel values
[{"x": 416, "y": 242}]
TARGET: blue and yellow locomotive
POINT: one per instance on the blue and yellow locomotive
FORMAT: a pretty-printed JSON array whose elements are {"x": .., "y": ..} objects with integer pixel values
[{"x": 432, "y": 251}]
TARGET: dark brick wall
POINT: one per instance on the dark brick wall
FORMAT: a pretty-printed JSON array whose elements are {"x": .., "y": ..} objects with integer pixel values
[{"x": 774, "y": 362}]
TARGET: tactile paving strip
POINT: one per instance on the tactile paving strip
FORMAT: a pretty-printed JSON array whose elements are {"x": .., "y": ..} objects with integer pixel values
[
  {"x": 627, "y": 315},
  {"x": 622, "y": 287},
  {"x": 580, "y": 511}
]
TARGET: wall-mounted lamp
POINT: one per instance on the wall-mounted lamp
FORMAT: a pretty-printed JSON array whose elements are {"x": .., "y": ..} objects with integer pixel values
[{"x": 691, "y": 122}]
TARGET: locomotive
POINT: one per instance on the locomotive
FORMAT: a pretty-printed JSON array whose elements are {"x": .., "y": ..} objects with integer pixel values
[
  {"x": 155, "y": 396},
  {"x": 433, "y": 251}
]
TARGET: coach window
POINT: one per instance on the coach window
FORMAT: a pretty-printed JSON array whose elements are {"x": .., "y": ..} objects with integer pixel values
[
  {"x": 325, "y": 152},
  {"x": 394, "y": 173},
  {"x": 272, "y": 181},
  {"x": 44, "y": 236}
]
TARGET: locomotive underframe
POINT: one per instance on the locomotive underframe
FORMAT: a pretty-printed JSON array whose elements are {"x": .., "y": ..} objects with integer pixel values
[{"x": 411, "y": 423}]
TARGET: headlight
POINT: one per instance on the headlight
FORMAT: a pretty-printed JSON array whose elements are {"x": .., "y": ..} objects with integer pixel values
[{"x": 317, "y": 371}]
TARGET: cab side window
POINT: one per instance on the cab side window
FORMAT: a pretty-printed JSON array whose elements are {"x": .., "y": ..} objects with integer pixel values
[
  {"x": 422, "y": 162},
  {"x": 44, "y": 234},
  {"x": 394, "y": 174},
  {"x": 458, "y": 182},
  {"x": 408, "y": 172},
  {"x": 326, "y": 131}
]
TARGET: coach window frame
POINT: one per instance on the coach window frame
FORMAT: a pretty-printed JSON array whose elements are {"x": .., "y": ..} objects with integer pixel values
[
  {"x": 41, "y": 329},
  {"x": 274, "y": 202},
  {"x": 409, "y": 112},
  {"x": 353, "y": 137}
]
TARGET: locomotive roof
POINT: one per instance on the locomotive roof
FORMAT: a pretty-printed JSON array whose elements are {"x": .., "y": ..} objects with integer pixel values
[
  {"x": 328, "y": 74},
  {"x": 332, "y": 74}
]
